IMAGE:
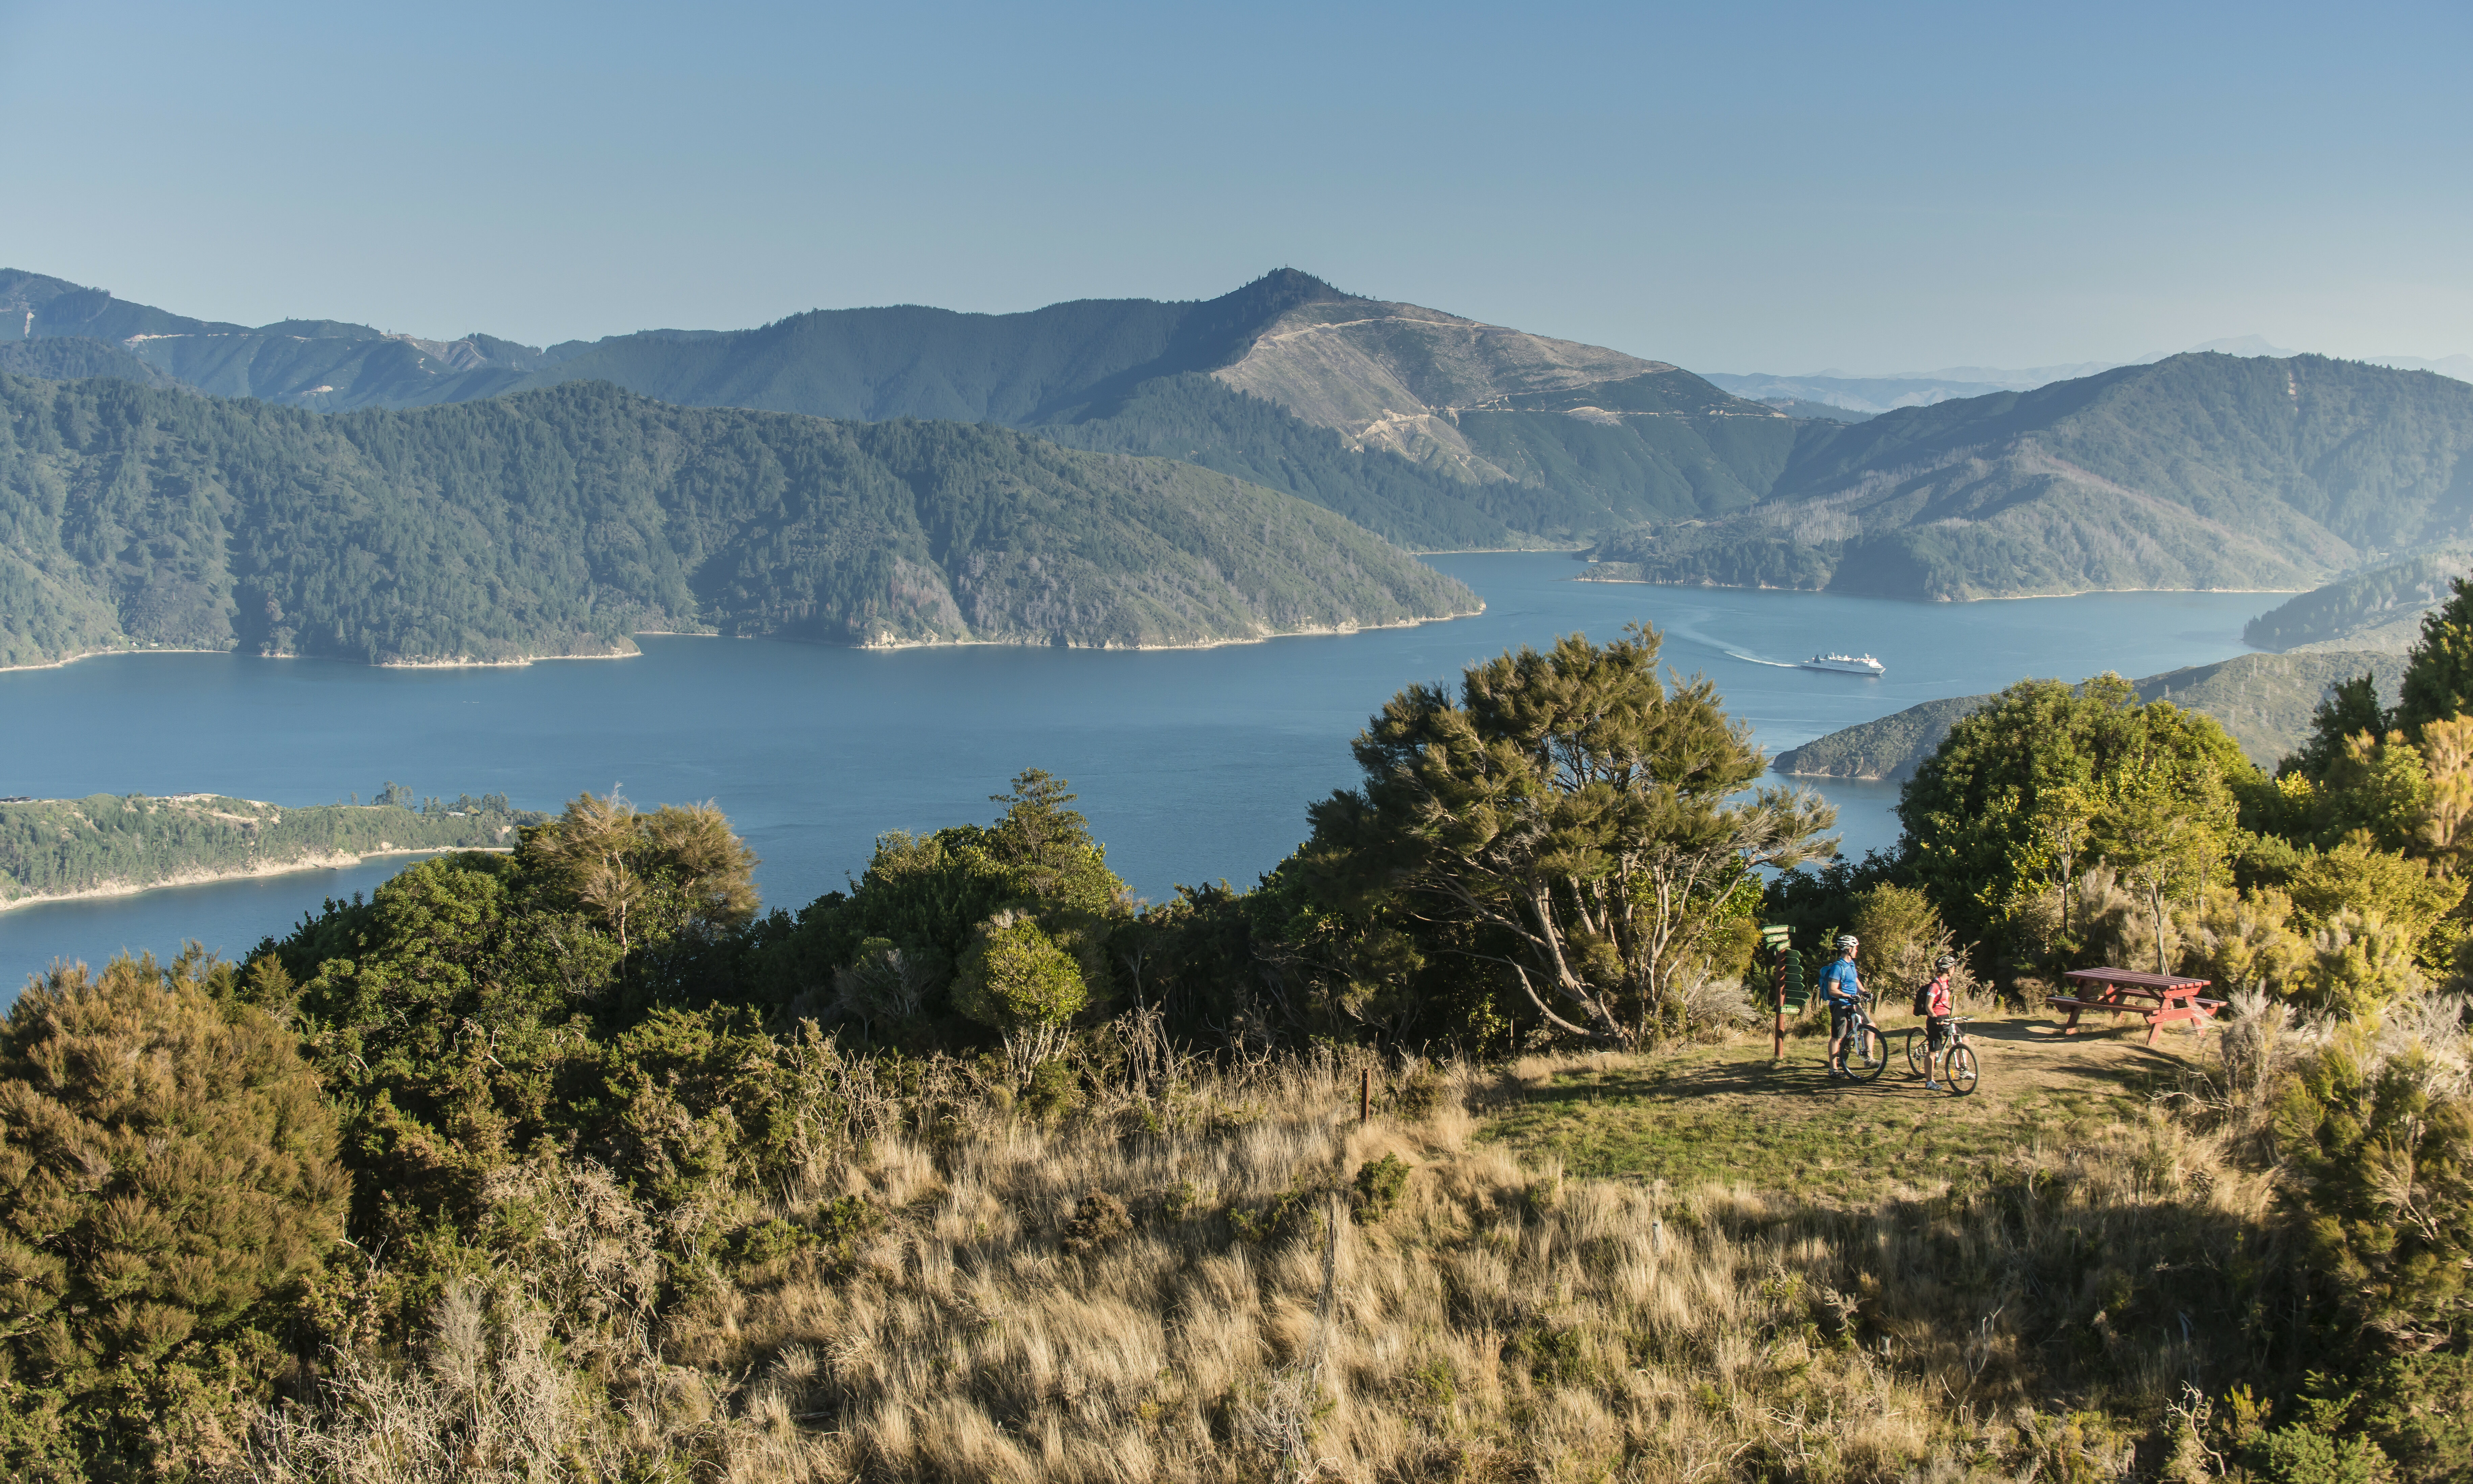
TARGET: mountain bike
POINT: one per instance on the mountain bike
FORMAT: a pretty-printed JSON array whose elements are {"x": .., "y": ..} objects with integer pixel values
[
  {"x": 1868, "y": 1050},
  {"x": 1960, "y": 1073}
]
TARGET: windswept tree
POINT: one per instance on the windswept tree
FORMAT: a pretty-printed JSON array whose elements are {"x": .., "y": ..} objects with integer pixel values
[
  {"x": 679, "y": 863},
  {"x": 1577, "y": 812}
]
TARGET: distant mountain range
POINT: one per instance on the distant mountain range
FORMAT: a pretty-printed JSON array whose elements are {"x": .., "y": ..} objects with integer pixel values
[
  {"x": 2206, "y": 471},
  {"x": 559, "y": 521},
  {"x": 1892, "y": 390},
  {"x": 2254, "y": 471},
  {"x": 1432, "y": 430}
]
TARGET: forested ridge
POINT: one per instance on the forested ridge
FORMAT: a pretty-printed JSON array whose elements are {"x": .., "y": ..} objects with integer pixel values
[
  {"x": 559, "y": 521},
  {"x": 1538, "y": 464},
  {"x": 2206, "y": 471},
  {"x": 1435, "y": 432},
  {"x": 2265, "y": 702},
  {"x": 112, "y": 842},
  {"x": 2380, "y": 608}
]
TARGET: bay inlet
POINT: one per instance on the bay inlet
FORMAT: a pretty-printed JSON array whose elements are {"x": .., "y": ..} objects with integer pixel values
[{"x": 1193, "y": 765}]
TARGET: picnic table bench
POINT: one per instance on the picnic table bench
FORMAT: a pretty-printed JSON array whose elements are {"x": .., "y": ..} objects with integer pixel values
[{"x": 2157, "y": 998}]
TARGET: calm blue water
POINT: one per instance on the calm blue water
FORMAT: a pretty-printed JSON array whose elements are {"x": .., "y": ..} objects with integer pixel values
[{"x": 1193, "y": 765}]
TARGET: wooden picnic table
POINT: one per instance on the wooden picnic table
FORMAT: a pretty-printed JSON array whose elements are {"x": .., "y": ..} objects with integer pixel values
[{"x": 2159, "y": 998}]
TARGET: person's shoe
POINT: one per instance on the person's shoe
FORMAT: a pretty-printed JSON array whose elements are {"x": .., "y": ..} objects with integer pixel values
[{"x": 1931, "y": 1085}]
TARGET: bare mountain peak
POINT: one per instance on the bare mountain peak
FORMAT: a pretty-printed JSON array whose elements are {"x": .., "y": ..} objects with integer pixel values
[{"x": 1398, "y": 376}]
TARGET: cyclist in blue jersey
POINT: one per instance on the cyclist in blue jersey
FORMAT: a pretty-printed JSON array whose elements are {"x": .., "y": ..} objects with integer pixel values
[{"x": 1841, "y": 987}]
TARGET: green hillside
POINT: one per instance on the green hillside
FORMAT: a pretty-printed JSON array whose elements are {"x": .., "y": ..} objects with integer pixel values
[
  {"x": 1519, "y": 440},
  {"x": 2264, "y": 701},
  {"x": 557, "y": 522},
  {"x": 1439, "y": 432},
  {"x": 2199, "y": 471},
  {"x": 75, "y": 357},
  {"x": 2379, "y": 609},
  {"x": 108, "y": 843}
]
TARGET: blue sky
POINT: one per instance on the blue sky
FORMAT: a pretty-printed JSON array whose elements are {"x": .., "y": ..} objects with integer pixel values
[{"x": 1779, "y": 187}]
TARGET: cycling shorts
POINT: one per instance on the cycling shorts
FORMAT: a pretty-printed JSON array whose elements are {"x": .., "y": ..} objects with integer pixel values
[{"x": 1842, "y": 1018}]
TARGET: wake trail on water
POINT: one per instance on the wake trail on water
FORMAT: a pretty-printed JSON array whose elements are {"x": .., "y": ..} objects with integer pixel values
[{"x": 1756, "y": 659}]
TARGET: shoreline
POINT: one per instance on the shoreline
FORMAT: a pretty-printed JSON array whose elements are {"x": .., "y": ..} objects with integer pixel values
[
  {"x": 887, "y": 647},
  {"x": 1990, "y": 597},
  {"x": 105, "y": 654},
  {"x": 197, "y": 876},
  {"x": 636, "y": 651}
]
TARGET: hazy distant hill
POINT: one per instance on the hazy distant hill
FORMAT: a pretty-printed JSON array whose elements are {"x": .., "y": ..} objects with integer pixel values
[
  {"x": 1797, "y": 407},
  {"x": 2381, "y": 608},
  {"x": 2264, "y": 701},
  {"x": 324, "y": 363},
  {"x": 1855, "y": 393},
  {"x": 557, "y": 522},
  {"x": 2201, "y": 472},
  {"x": 1429, "y": 429}
]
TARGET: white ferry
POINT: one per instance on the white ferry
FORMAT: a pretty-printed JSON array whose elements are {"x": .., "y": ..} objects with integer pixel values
[{"x": 1845, "y": 665}]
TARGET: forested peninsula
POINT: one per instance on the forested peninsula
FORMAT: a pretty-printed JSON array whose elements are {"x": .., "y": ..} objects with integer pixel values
[
  {"x": 2265, "y": 702},
  {"x": 558, "y": 522},
  {"x": 111, "y": 843}
]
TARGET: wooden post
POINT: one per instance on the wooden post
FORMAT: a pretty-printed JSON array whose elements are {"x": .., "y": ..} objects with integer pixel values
[
  {"x": 1364, "y": 1094},
  {"x": 1777, "y": 1000}
]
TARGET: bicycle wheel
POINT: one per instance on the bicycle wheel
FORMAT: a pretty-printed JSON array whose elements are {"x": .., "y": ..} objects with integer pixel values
[
  {"x": 1918, "y": 1055},
  {"x": 1961, "y": 1070},
  {"x": 1867, "y": 1054}
]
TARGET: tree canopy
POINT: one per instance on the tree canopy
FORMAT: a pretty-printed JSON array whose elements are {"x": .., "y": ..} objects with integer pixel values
[{"x": 1577, "y": 813}]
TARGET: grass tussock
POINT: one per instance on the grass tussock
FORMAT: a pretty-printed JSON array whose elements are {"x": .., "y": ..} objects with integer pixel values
[{"x": 1238, "y": 1281}]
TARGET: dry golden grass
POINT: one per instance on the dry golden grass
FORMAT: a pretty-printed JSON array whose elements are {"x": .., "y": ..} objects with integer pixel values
[{"x": 1501, "y": 1322}]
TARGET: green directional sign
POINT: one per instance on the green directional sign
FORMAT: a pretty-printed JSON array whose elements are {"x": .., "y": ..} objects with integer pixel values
[{"x": 1786, "y": 968}]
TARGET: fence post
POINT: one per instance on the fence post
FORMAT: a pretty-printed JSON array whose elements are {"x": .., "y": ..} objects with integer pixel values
[{"x": 1364, "y": 1094}]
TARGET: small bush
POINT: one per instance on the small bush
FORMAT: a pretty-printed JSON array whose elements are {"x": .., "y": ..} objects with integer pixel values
[
  {"x": 1379, "y": 1184},
  {"x": 771, "y": 1241},
  {"x": 1098, "y": 1220},
  {"x": 2303, "y": 1455},
  {"x": 1288, "y": 1214},
  {"x": 1054, "y": 1091},
  {"x": 1421, "y": 1093}
]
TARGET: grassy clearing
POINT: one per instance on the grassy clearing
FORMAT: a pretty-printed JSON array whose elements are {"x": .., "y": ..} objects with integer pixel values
[
  {"x": 1728, "y": 1115},
  {"x": 1174, "y": 1287}
]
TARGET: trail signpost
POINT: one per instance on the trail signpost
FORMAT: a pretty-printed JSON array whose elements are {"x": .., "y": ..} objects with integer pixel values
[{"x": 1787, "y": 989}]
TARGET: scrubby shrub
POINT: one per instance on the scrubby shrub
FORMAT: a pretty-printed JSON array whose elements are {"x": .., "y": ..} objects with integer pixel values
[
  {"x": 168, "y": 1179},
  {"x": 2304, "y": 1455},
  {"x": 1017, "y": 976},
  {"x": 1379, "y": 1185},
  {"x": 1098, "y": 1220}
]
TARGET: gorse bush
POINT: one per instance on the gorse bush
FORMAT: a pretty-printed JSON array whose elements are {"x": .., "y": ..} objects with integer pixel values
[{"x": 169, "y": 1182}]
